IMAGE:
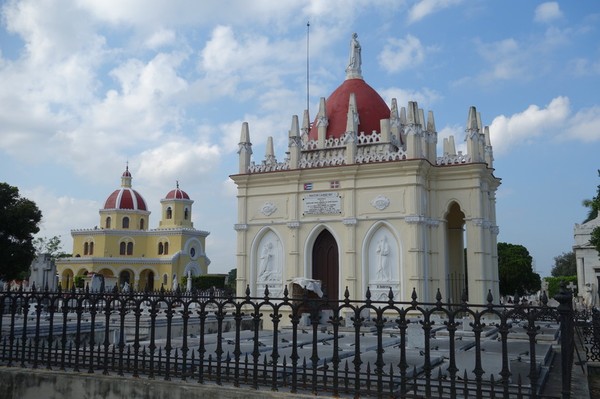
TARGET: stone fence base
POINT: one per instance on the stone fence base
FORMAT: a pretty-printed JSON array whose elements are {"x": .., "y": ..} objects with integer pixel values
[{"x": 17, "y": 383}]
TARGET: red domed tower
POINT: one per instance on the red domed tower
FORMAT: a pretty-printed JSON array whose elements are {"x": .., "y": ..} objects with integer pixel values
[
  {"x": 125, "y": 208},
  {"x": 176, "y": 209}
]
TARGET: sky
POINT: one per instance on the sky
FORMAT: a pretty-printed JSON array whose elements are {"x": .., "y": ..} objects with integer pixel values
[{"x": 87, "y": 87}]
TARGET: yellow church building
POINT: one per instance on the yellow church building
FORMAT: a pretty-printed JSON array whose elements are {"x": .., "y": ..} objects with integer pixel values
[{"x": 124, "y": 250}]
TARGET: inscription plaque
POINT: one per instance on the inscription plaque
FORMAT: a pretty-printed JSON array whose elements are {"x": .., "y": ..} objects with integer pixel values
[{"x": 322, "y": 204}]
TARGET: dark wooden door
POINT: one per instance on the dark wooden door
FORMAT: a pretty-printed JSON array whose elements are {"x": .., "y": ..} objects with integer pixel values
[{"x": 325, "y": 263}]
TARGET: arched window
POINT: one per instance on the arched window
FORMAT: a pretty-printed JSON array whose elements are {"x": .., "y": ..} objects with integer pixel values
[
  {"x": 141, "y": 224},
  {"x": 125, "y": 222},
  {"x": 122, "y": 248},
  {"x": 185, "y": 214},
  {"x": 91, "y": 248},
  {"x": 169, "y": 213},
  {"x": 107, "y": 222},
  {"x": 129, "y": 248},
  {"x": 165, "y": 278},
  {"x": 160, "y": 248},
  {"x": 166, "y": 248},
  {"x": 85, "y": 248}
]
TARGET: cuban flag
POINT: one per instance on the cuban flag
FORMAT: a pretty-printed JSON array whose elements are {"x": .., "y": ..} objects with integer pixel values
[{"x": 307, "y": 186}]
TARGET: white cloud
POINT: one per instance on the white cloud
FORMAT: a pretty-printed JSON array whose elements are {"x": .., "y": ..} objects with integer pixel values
[
  {"x": 585, "y": 125},
  {"x": 401, "y": 54},
  {"x": 173, "y": 159},
  {"x": 62, "y": 213},
  {"x": 581, "y": 67},
  {"x": 160, "y": 38},
  {"x": 424, "y": 97},
  {"x": 547, "y": 12},
  {"x": 526, "y": 126},
  {"x": 424, "y": 8},
  {"x": 229, "y": 188},
  {"x": 504, "y": 59}
]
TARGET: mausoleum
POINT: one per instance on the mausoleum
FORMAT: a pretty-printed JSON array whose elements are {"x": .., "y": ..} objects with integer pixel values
[
  {"x": 588, "y": 262},
  {"x": 362, "y": 199}
]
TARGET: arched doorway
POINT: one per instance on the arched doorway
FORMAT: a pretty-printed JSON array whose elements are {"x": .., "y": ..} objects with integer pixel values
[
  {"x": 124, "y": 277},
  {"x": 457, "y": 278},
  {"x": 146, "y": 280},
  {"x": 325, "y": 263}
]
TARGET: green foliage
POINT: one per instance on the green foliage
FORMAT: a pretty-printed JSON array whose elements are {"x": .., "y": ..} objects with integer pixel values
[
  {"x": 205, "y": 282},
  {"x": 554, "y": 284},
  {"x": 231, "y": 279},
  {"x": 19, "y": 219},
  {"x": 515, "y": 270},
  {"x": 593, "y": 205},
  {"x": 78, "y": 281},
  {"x": 595, "y": 239},
  {"x": 52, "y": 246},
  {"x": 565, "y": 264}
]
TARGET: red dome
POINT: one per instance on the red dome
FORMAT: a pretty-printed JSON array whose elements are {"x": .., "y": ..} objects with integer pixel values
[
  {"x": 371, "y": 109},
  {"x": 125, "y": 198},
  {"x": 177, "y": 194}
]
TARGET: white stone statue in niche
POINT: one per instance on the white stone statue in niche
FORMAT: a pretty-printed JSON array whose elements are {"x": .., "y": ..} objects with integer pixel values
[
  {"x": 383, "y": 254},
  {"x": 266, "y": 268}
]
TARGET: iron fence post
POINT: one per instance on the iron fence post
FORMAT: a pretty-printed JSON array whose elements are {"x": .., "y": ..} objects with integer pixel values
[{"x": 565, "y": 310}]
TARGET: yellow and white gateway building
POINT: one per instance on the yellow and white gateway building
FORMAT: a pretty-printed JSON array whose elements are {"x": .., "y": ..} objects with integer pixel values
[
  {"x": 362, "y": 200},
  {"x": 123, "y": 249}
]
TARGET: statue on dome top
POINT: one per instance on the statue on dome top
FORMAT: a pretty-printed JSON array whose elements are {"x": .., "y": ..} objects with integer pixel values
[{"x": 354, "y": 61}]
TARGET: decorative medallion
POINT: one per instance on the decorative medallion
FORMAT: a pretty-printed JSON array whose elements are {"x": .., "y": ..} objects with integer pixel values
[
  {"x": 268, "y": 208},
  {"x": 380, "y": 202}
]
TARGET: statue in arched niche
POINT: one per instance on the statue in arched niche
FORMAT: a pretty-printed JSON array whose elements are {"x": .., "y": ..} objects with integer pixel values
[
  {"x": 383, "y": 263},
  {"x": 267, "y": 270}
]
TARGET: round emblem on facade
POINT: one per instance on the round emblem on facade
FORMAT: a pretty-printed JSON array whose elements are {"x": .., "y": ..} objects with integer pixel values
[
  {"x": 268, "y": 208},
  {"x": 380, "y": 202}
]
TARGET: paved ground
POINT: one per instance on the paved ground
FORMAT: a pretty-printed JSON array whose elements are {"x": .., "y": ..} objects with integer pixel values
[{"x": 594, "y": 380}]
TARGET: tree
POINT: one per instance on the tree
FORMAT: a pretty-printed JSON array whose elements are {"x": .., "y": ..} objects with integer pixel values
[
  {"x": 515, "y": 270},
  {"x": 52, "y": 246},
  {"x": 564, "y": 265},
  {"x": 594, "y": 207},
  {"x": 19, "y": 219},
  {"x": 231, "y": 279}
]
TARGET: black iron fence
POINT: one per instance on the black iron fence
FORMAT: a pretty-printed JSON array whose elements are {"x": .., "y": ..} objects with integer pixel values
[{"x": 345, "y": 348}]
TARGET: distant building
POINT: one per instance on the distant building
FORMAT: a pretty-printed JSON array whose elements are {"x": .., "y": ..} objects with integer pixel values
[
  {"x": 123, "y": 247},
  {"x": 362, "y": 200},
  {"x": 588, "y": 263}
]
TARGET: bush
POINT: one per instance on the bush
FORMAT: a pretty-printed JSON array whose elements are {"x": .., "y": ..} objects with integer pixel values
[
  {"x": 205, "y": 282},
  {"x": 554, "y": 284},
  {"x": 78, "y": 281}
]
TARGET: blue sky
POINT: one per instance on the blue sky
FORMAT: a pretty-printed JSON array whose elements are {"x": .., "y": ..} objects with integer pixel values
[{"x": 87, "y": 86}]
